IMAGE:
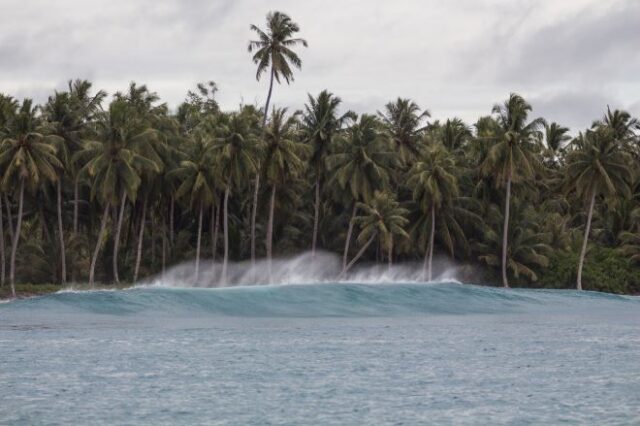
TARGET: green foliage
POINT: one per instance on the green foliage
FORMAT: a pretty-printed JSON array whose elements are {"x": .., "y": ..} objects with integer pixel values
[{"x": 605, "y": 269}]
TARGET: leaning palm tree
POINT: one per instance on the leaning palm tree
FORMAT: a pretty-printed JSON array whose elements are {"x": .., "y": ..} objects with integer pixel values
[
  {"x": 403, "y": 122},
  {"x": 233, "y": 158},
  {"x": 512, "y": 158},
  {"x": 381, "y": 217},
  {"x": 124, "y": 148},
  {"x": 283, "y": 162},
  {"x": 28, "y": 159},
  {"x": 434, "y": 185},
  {"x": 598, "y": 167},
  {"x": 360, "y": 166},
  {"x": 320, "y": 124},
  {"x": 273, "y": 52}
]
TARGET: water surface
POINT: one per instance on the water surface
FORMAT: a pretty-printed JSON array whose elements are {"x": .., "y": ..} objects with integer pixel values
[{"x": 321, "y": 354}]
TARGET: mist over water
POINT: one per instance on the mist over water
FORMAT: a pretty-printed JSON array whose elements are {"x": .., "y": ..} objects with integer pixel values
[{"x": 303, "y": 269}]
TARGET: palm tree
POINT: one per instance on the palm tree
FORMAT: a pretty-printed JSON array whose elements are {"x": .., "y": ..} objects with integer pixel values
[
  {"x": 28, "y": 158},
  {"x": 273, "y": 52},
  {"x": 197, "y": 183},
  {"x": 234, "y": 158},
  {"x": 283, "y": 162},
  {"x": 434, "y": 186},
  {"x": 512, "y": 158},
  {"x": 528, "y": 248},
  {"x": 556, "y": 136},
  {"x": 360, "y": 166},
  {"x": 382, "y": 217},
  {"x": 125, "y": 148},
  {"x": 320, "y": 124},
  {"x": 599, "y": 166},
  {"x": 403, "y": 122}
]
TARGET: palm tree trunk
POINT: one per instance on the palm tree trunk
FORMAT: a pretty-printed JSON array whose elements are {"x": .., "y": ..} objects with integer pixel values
[
  {"x": 198, "y": 243},
  {"x": 254, "y": 209},
  {"x": 140, "y": 238},
  {"x": 348, "y": 240},
  {"x": 390, "y": 251},
  {"x": 213, "y": 231},
  {"x": 3, "y": 260},
  {"x": 358, "y": 255},
  {"x": 587, "y": 229},
  {"x": 431, "y": 242},
  {"x": 505, "y": 231},
  {"x": 226, "y": 237},
  {"x": 164, "y": 245},
  {"x": 116, "y": 238},
  {"x": 316, "y": 219},
  {"x": 96, "y": 251},
  {"x": 270, "y": 230},
  {"x": 16, "y": 238},
  {"x": 75, "y": 204},
  {"x": 254, "y": 212},
  {"x": 43, "y": 222},
  {"x": 171, "y": 214},
  {"x": 63, "y": 257},
  {"x": 9, "y": 216}
]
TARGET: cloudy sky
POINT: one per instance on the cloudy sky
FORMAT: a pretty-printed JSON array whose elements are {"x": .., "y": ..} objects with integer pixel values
[{"x": 569, "y": 58}]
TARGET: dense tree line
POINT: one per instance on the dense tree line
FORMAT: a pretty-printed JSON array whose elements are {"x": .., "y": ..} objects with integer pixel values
[{"x": 92, "y": 191}]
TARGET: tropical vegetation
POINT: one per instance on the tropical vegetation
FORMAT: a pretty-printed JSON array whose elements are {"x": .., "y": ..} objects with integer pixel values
[{"x": 103, "y": 190}]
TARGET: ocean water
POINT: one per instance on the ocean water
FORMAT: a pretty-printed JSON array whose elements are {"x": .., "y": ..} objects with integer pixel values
[{"x": 321, "y": 354}]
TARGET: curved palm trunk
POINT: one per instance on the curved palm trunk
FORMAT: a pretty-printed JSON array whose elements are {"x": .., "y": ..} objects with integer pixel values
[
  {"x": 16, "y": 238},
  {"x": 3, "y": 260},
  {"x": 348, "y": 240},
  {"x": 358, "y": 255},
  {"x": 583, "y": 252},
  {"x": 427, "y": 270},
  {"x": 75, "y": 204},
  {"x": 226, "y": 237},
  {"x": 63, "y": 257},
  {"x": 254, "y": 209},
  {"x": 96, "y": 251},
  {"x": 505, "y": 230},
  {"x": 140, "y": 238},
  {"x": 316, "y": 219},
  {"x": 116, "y": 238},
  {"x": 270, "y": 230},
  {"x": 198, "y": 244}
]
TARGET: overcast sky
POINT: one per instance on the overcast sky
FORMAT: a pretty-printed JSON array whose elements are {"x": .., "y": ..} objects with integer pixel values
[{"x": 569, "y": 58}]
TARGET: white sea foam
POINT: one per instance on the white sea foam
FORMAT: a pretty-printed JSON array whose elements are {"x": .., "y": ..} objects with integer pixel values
[{"x": 303, "y": 269}]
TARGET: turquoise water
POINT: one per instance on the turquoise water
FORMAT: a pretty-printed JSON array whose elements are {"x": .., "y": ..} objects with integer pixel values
[{"x": 321, "y": 354}]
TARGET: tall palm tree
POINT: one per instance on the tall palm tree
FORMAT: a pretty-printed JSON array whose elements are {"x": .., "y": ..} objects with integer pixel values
[
  {"x": 381, "y": 217},
  {"x": 273, "y": 52},
  {"x": 528, "y": 249},
  {"x": 434, "y": 185},
  {"x": 125, "y": 148},
  {"x": 283, "y": 162},
  {"x": 234, "y": 158},
  {"x": 512, "y": 158},
  {"x": 198, "y": 184},
  {"x": 320, "y": 124},
  {"x": 598, "y": 167},
  {"x": 360, "y": 166},
  {"x": 403, "y": 122},
  {"x": 27, "y": 158}
]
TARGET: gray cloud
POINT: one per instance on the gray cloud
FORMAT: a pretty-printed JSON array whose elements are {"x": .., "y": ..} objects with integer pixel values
[{"x": 456, "y": 58}]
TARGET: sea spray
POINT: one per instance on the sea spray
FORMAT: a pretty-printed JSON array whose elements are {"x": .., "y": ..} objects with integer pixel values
[{"x": 303, "y": 269}]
